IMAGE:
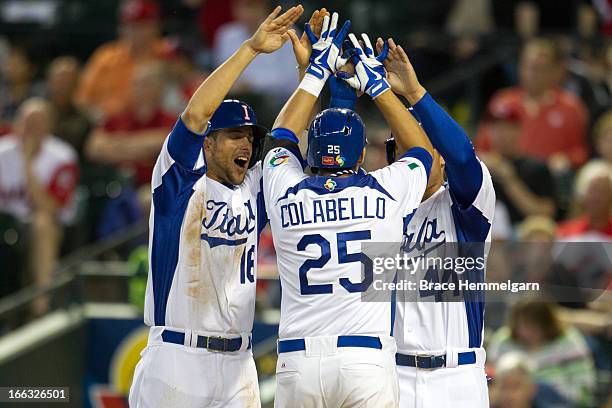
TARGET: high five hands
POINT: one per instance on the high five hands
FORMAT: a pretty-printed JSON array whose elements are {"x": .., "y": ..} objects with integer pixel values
[
  {"x": 321, "y": 53},
  {"x": 400, "y": 73},
  {"x": 272, "y": 33}
]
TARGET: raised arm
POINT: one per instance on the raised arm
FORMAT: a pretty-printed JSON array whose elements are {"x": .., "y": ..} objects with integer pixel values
[
  {"x": 325, "y": 60},
  {"x": 302, "y": 48},
  {"x": 269, "y": 37},
  {"x": 463, "y": 168}
]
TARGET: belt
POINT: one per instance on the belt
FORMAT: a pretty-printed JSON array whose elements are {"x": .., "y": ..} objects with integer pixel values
[
  {"x": 211, "y": 343},
  {"x": 287, "y": 346},
  {"x": 468, "y": 357}
]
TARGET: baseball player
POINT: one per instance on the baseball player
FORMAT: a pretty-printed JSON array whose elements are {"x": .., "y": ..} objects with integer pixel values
[
  {"x": 334, "y": 349},
  {"x": 440, "y": 358},
  {"x": 206, "y": 215}
]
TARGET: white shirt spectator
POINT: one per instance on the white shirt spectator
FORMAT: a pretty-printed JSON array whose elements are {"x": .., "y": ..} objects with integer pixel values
[
  {"x": 55, "y": 167},
  {"x": 262, "y": 75}
]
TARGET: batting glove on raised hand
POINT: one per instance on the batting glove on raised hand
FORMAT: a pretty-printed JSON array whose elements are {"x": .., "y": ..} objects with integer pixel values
[
  {"x": 325, "y": 59},
  {"x": 370, "y": 74}
]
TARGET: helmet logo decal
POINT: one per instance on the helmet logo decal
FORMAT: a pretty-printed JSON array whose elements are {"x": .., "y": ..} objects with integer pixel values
[
  {"x": 246, "y": 112},
  {"x": 327, "y": 160},
  {"x": 330, "y": 185},
  {"x": 340, "y": 160}
]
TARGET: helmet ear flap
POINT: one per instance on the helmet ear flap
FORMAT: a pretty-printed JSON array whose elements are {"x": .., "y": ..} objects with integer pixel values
[
  {"x": 259, "y": 139},
  {"x": 390, "y": 145}
]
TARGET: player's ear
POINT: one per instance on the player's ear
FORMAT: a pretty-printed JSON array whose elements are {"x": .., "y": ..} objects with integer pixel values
[
  {"x": 362, "y": 156},
  {"x": 208, "y": 141}
]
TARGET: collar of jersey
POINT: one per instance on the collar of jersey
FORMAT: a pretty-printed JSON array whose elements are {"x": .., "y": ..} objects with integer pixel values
[
  {"x": 317, "y": 184},
  {"x": 226, "y": 185}
]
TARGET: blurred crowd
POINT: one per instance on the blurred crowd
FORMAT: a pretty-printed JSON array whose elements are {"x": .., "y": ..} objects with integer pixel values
[{"x": 529, "y": 80}]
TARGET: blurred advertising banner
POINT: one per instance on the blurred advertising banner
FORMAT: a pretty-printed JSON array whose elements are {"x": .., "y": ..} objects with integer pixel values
[{"x": 113, "y": 350}]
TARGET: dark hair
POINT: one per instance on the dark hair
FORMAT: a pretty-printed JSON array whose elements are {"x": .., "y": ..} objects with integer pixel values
[{"x": 540, "y": 314}]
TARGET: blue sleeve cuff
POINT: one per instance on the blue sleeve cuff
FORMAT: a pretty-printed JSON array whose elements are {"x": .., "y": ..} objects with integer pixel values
[
  {"x": 421, "y": 155},
  {"x": 342, "y": 94},
  {"x": 285, "y": 134},
  {"x": 422, "y": 105},
  {"x": 184, "y": 145},
  {"x": 279, "y": 134}
]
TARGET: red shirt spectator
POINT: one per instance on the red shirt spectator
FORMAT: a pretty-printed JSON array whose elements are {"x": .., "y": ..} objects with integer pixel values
[
  {"x": 553, "y": 121},
  {"x": 133, "y": 139},
  {"x": 125, "y": 124},
  {"x": 557, "y": 125},
  {"x": 212, "y": 15}
]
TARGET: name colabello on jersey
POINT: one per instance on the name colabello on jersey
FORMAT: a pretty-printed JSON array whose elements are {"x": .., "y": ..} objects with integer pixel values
[{"x": 332, "y": 209}]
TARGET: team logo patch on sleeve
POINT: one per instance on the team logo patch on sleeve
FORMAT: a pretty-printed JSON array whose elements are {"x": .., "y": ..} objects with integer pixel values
[
  {"x": 340, "y": 160},
  {"x": 280, "y": 157},
  {"x": 330, "y": 185},
  {"x": 412, "y": 166}
]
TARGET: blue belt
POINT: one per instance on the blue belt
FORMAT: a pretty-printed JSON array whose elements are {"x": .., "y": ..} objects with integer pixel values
[
  {"x": 287, "y": 346},
  {"x": 468, "y": 357},
  {"x": 208, "y": 342}
]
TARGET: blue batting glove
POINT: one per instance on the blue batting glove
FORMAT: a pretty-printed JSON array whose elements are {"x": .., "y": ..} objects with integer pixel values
[
  {"x": 325, "y": 59},
  {"x": 370, "y": 74}
]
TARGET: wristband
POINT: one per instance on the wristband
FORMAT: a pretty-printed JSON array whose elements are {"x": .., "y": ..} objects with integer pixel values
[{"x": 312, "y": 84}]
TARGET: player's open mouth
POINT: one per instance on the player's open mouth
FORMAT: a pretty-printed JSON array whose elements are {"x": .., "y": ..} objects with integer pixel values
[{"x": 242, "y": 161}]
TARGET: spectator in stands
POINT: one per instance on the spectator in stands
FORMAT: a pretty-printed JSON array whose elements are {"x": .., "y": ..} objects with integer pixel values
[
  {"x": 553, "y": 120},
  {"x": 38, "y": 177},
  {"x": 470, "y": 18},
  {"x": 72, "y": 124},
  {"x": 592, "y": 204},
  {"x": 527, "y": 16},
  {"x": 523, "y": 184},
  {"x": 602, "y": 137},
  {"x": 514, "y": 385},
  {"x": 560, "y": 354},
  {"x": 182, "y": 76},
  {"x": 210, "y": 16},
  {"x": 376, "y": 158},
  {"x": 17, "y": 84},
  {"x": 537, "y": 229},
  {"x": 262, "y": 76},
  {"x": 105, "y": 87},
  {"x": 539, "y": 262},
  {"x": 133, "y": 139}
]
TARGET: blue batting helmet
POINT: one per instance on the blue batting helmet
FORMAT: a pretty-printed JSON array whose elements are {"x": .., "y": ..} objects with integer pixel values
[
  {"x": 336, "y": 138},
  {"x": 232, "y": 114}
]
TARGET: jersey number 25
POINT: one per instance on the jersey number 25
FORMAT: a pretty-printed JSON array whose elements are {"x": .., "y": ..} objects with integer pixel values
[{"x": 343, "y": 257}]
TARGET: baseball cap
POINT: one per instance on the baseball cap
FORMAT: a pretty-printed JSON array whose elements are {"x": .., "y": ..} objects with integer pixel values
[{"x": 132, "y": 11}]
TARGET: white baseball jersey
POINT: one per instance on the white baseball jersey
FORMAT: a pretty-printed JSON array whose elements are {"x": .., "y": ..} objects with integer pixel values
[
  {"x": 319, "y": 223},
  {"x": 435, "y": 327},
  {"x": 55, "y": 166},
  {"x": 202, "y": 243}
]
